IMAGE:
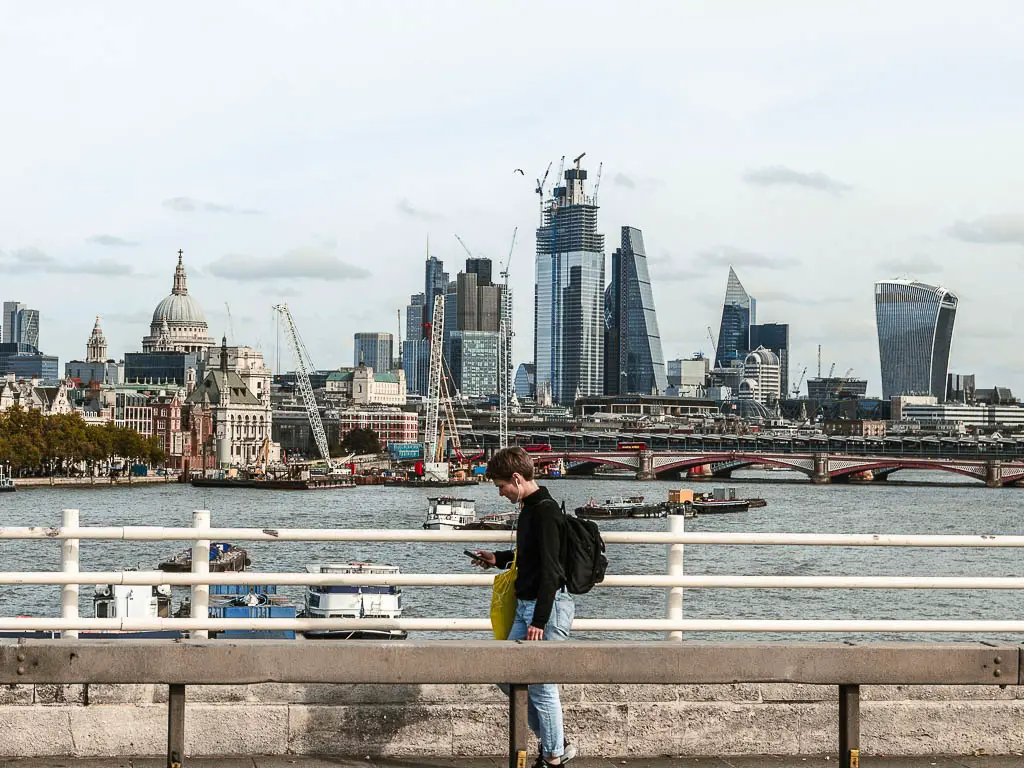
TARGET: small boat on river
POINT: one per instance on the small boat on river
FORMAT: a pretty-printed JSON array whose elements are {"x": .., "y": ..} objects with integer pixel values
[
  {"x": 447, "y": 513},
  {"x": 352, "y": 601},
  {"x": 6, "y": 483},
  {"x": 621, "y": 507},
  {"x": 223, "y": 557},
  {"x": 495, "y": 521}
]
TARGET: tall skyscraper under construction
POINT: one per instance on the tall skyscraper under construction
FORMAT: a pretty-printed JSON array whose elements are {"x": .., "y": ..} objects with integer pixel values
[
  {"x": 915, "y": 332},
  {"x": 633, "y": 360},
  {"x": 568, "y": 339}
]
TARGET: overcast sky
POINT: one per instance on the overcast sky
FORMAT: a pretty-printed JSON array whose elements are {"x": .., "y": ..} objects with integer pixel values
[{"x": 304, "y": 152}]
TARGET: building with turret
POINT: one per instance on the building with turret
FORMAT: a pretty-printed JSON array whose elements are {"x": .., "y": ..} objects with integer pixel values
[{"x": 96, "y": 368}]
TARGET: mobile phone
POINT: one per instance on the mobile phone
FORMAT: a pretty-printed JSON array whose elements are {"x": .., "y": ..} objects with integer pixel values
[{"x": 473, "y": 555}]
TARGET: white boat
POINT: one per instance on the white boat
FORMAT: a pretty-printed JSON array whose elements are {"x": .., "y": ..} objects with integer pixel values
[
  {"x": 345, "y": 601},
  {"x": 446, "y": 513},
  {"x": 6, "y": 484},
  {"x": 125, "y": 601}
]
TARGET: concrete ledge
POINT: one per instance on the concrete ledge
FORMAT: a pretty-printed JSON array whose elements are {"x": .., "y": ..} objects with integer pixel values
[{"x": 634, "y": 727}]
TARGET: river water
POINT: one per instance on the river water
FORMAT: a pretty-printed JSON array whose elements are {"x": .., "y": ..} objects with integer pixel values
[{"x": 793, "y": 507}]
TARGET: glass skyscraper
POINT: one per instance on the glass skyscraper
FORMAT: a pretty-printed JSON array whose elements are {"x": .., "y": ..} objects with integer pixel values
[
  {"x": 738, "y": 314},
  {"x": 774, "y": 336},
  {"x": 374, "y": 350},
  {"x": 633, "y": 360},
  {"x": 915, "y": 331},
  {"x": 568, "y": 339}
]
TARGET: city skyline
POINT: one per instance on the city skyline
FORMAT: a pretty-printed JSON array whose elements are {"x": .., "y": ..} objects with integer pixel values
[{"x": 809, "y": 165}]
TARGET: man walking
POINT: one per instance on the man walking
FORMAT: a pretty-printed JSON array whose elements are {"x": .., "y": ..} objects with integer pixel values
[{"x": 545, "y": 608}]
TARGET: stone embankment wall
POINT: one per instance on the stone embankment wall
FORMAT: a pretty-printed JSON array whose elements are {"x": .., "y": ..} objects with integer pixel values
[
  {"x": 444, "y": 720},
  {"x": 89, "y": 482}
]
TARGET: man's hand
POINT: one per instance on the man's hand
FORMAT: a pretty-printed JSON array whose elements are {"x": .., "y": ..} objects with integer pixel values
[
  {"x": 484, "y": 559},
  {"x": 534, "y": 633}
]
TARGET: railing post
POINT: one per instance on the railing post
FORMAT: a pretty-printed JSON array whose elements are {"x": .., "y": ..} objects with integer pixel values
[
  {"x": 69, "y": 564},
  {"x": 175, "y": 726},
  {"x": 676, "y": 525},
  {"x": 201, "y": 567},
  {"x": 849, "y": 726},
  {"x": 518, "y": 726}
]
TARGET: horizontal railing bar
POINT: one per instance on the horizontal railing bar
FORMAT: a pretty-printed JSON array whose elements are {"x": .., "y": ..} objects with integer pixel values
[
  {"x": 153, "y": 578},
  {"x": 14, "y": 624},
  {"x": 152, "y": 533}
]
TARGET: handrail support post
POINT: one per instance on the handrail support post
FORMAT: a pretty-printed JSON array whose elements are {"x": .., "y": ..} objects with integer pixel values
[
  {"x": 175, "y": 725},
  {"x": 674, "y": 601},
  {"x": 201, "y": 566},
  {"x": 69, "y": 564},
  {"x": 518, "y": 726},
  {"x": 849, "y": 726}
]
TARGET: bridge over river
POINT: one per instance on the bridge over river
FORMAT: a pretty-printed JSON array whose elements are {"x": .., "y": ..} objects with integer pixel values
[{"x": 819, "y": 467}]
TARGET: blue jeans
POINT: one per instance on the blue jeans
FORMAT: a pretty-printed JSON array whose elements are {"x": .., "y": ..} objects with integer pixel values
[{"x": 544, "y": 711}]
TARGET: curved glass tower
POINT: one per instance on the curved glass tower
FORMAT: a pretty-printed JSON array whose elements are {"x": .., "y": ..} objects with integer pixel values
[
  {"x": 915, "y": 331},
  {"x": 633, "y": 360}
]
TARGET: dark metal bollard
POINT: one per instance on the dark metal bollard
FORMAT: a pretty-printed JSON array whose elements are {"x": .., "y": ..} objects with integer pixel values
[
  {"x": 518, "y": 727},
  {"x": 849, "y": 726},
  {"x": 176, "y": 726}
]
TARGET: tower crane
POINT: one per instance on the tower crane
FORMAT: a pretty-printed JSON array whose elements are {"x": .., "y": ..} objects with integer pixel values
[
  {"x": 831, "y": 370},
  {"x": 303, "y": 365},
  {"x": 714, "y": 346},
  {"x": 597, "y": 182},
  {"x": 464, "y": 246},
  {"x": 505, "y": 335},
  {"x": 230, "y": 325},
  {"x": 848, "y": 372},
  {"x": 540, "y": 191},
  {"x": 799, "y": 382},
  {"x": 438, "y": 398}
]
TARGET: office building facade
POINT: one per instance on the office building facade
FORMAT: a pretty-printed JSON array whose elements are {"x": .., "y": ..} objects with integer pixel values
[
  {"x": 915, "y": 332},
  {"x": 20, "y": 324},
  {"x": 569, "y": 294},
  {"x": 27, "y": 362},
  {"x": 375, "y": 350},
  {"x": 435, "y": 284},
  {"x": 739, "y": 312},
  {"x": 774, "y": 336},
  {"x": 761, "y": 377},
  {"x": 633, "y": 359}
]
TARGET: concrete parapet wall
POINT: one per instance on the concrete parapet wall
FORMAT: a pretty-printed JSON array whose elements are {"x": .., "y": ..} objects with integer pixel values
[{"x": 447, "y": 720}]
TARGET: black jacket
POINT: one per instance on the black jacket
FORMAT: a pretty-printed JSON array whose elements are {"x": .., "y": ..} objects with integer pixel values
[{"x": 540, "y": 542}]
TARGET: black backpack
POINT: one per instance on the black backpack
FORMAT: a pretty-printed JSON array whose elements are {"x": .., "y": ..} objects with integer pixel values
[{"x": 585, "y": 562}]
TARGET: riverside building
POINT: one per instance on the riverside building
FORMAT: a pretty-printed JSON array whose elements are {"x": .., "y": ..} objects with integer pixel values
[
  {"x": 569, "y": 294},
  {"x": 915, "y": 331}
]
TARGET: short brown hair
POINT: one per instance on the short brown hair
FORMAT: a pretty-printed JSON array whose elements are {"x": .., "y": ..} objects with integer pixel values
[{"x": 509, "y": 461}]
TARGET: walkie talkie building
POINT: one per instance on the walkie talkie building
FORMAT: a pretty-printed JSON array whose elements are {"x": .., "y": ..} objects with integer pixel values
[{"x": 915, "y": 331}]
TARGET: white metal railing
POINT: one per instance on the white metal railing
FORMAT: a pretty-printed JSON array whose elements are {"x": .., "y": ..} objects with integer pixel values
[{"x": 674, "y": 581}]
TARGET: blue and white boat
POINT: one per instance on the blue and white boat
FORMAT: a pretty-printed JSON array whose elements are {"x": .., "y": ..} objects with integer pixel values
[{"x": 346, "y": 601}]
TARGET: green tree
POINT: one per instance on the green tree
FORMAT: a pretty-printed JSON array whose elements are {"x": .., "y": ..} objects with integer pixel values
[{"x": 361, "y": 441}]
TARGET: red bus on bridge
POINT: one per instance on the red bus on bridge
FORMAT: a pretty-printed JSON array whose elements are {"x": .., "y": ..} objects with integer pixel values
[
  {"x": 638, "y": 445},
  {"x": 537, "y": 448}
]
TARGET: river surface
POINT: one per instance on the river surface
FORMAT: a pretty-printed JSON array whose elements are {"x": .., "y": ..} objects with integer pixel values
[{"x": 797, "y": 507}]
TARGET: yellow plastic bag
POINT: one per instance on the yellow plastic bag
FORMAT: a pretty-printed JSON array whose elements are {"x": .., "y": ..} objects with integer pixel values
[{"x": 504, "y": 603}]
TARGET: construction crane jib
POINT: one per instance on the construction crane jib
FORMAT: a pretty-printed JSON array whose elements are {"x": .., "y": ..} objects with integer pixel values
[
  {"x": 431, "y": 430},
  {"x": 505, "y": 350},
  {"x": 303, "y": 366}
]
